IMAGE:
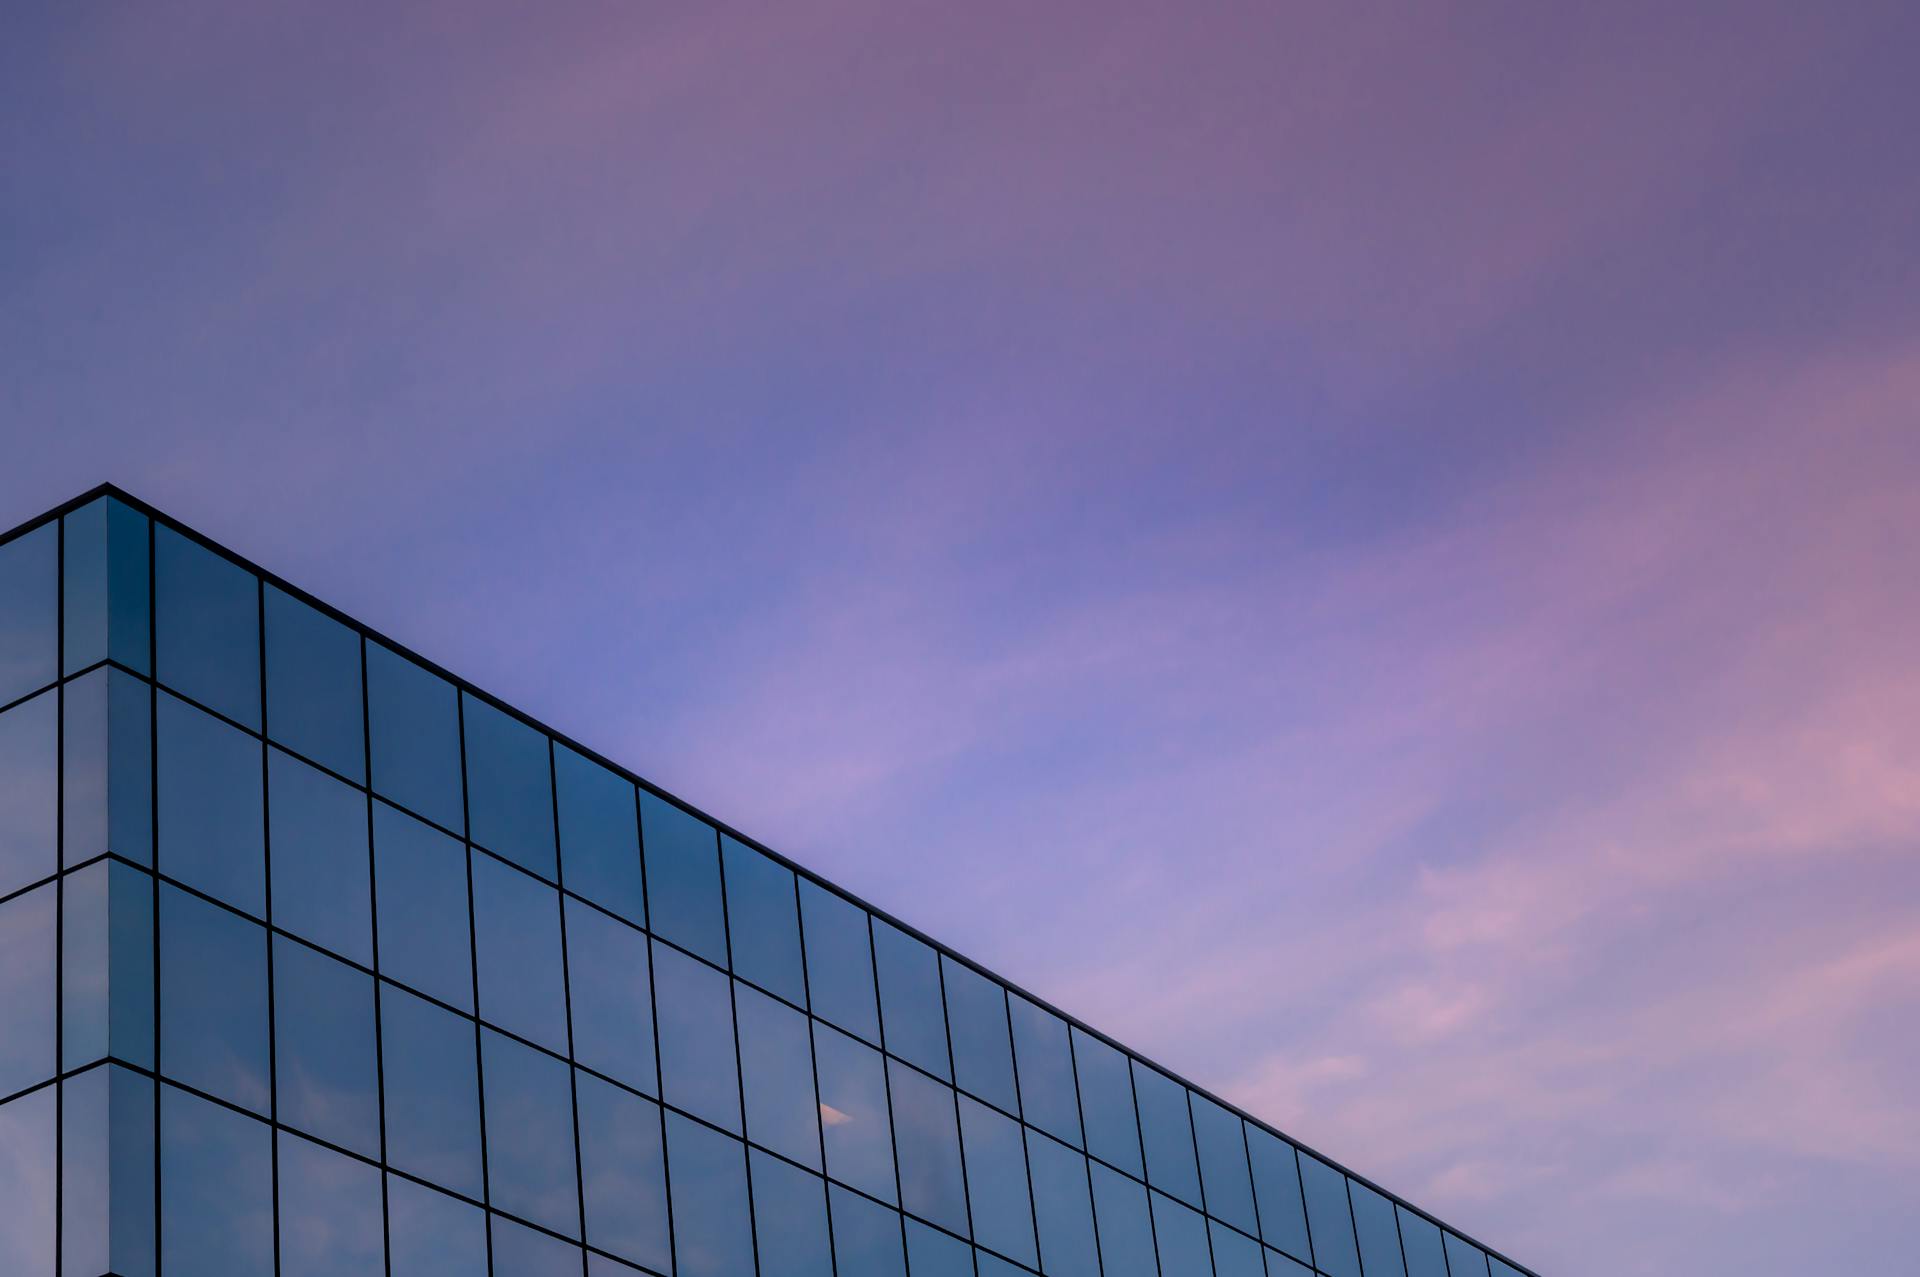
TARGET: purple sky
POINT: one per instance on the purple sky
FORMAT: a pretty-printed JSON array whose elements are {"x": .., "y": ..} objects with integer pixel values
[{"x": 1367, "y": 549}]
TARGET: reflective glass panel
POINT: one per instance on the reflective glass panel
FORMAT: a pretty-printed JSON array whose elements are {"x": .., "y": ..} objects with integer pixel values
[
  {"x": 1276, "y": 1185},
  {"x": 1328, "y": 1218},
  {"x": 1279, "y": 1265},
  {"x": 610, "y": 982},
  {"x": 1126, "y": 1235},
  {"x": 1106, "y": 1099},
  {"x": 420, "y": 877},
  {"x": 29, "y": 605},
  {"x": 910, "y": 1006},
  {"x": 1379, "y": 1235},
  {"x": 982, "y": 1051},
  {"x": 27, "y": 1177},
  {"x": 683, "y": 878},
  {"x": 313, "y": 685},
  {"x": 529, "y": 1114},
  {"x": 207, "y": 627},
  {"x": 106, "y": 586},
  {"x": 623, "y": 1176},
  {"x": 330, "y": 1214},
  {"x": 516, "y": 931},
  {"x": 130, "y": 1154},
  {"x": 108, "y": 732},
  {"x": 432, "y": 1091},
  {"x": 216, "y": 1189},
  {"x": 1235, "y": 1254},
  {"x": 1063, "y": 1208},
  {"x": 85, "y": 1174},
  {"x": 1166, "y": 1132},
  {"x": 934, "y": 1254},
  {"x": 853, "y": 1113},
  {"x": 432, "y": 1235},
  {"x": 413, "y": 722},
  {"x": 776, "y": 1072},
  {"x": 712, "y": 1227},
  {"x": 1223, "y": 1165},
  {"x": 29, "y": 792},
  {"x": 1464, "y": 1259},
  {"x": 1420, "y": 1242},
  {"x": 212, "y": 828},
  {"x": 325, "y": 1057},
  {"x": 763, "y": 913},
  {"x": 322, "y": 878},
  {"x": 519, "y": 1251},
  {"x": 1047, "y": 1096},
  {"x": 695, "y": 1015},
  {"x": 927, "y": 1142},
  {"x": 107, "y": 960},
  {"x": 839, "y": 961},
  {"x": 1181, "y": 1235},
  {"x": 599, "y": 834},
  {"x": 790, "y": 1219},
  {"x": 213, "y": 999},
  {"x": 27, "y": 990},
  {"x": 997, "y": 1182},
  {"x": 509, "y": 787},
  {"x": 1499, "y": 1268},
  {"x": 866, "y": 1236}
]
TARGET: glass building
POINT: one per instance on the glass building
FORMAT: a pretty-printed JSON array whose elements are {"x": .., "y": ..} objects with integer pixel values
[{"x": 317, "y": 962}]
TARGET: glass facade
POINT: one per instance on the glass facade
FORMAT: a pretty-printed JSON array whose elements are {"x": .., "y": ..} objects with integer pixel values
[{"x": 317, "y": 963}]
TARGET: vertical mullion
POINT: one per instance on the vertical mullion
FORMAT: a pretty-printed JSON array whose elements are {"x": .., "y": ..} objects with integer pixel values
[
  {"x": 653, "y": 1019},
  {"x": 60, "y": 892},
  {"x": 813, "y": 1063},
  {"x": 1306, "y": 1216},
  {"x": 266, "y": 869},
  {"x": 739, "y": 1070},
  {"x": 1086, "y": 1160},
  {"x": 379, "y": 998},
  {"x": 1200, "y": 1174},
  {"x": 153, "y": 801},
  {"x": 1140, "y": 1133},
  {"x": 473, "y": 971},
  {"x": 566, "y": 993}
]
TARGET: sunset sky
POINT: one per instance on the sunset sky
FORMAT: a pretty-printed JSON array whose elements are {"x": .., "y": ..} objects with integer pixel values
[{"x": 1367, "y": 549}]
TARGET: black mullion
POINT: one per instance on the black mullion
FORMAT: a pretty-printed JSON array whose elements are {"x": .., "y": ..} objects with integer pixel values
[
  {"x": 1306, "y": 1217},
  {"x": 1401, "y": 1237},
  {"x": 60, "y": 894},
  {"x": 1140, "y": 1133},
  {"x": 813, "y": 1064},
  {"x": 566, "y": 994},
  {"x": 153, "y": 799},
  {"x": 1200, "y": 1176},
  {"x": 1353, "y": 1224},
  {"x": 473, "y": 960},
  {"x": 959, "y": 1130},
  {"x": 653, "y": 1021},
  {"x": 1253, "y": 1189},
  {"x": 739, "y": 1072},
  {"x": 1080, "y": 1107},
  {"x": 266, "y": 869},
  {"x": 379, "y": 1000}
]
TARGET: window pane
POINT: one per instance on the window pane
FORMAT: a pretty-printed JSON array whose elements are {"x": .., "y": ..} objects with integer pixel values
[
  {"x": 1279, "y": 1265},
  {"x": 1235, "y": 1254},
  {"x": 414, "y": 725},
  {"x": 216, "y": 1189},
  {"x": 324, "y": 1048},
  {"x": 108, "y": 733},
  {"x": 853, "y": 1113},
  {"x": 29, "y": 792},
  {"x": 420, "y": 876},
  {"x": 1047, "y": 1097},
  {"x": 839, "y": 961},
  {"x": 1464, "y": 1259},
  {"x": 610, "y": 984},
  {"x": 1420, "y": 1240},
  {"x": 915, "y": 1023},
  {"x": 997, "y": 1182},
  {"x": 866, "y": 1236},
  {"x": 776, "y": 1071},
  {"x": 529, "y": 1111},
  {"x": 27, "y": 1178},
  {"x": 330, "y": 1213},
  {"x": 1166, "y": 1132},
  {"x": 213, "y": 999},
  {"x": 1276, "y": 1184},
  {"x": 622, "y": 1173},
  {"x": 763, "y": 911},
  {"x": 790, "y": 1219},
  {"x": 207, "y": 627},
  {"x": 432, "y": 1235},
  {"x": 1379, "y": 1235},
  {"x": 1329, "y": 1218},
  {"x": 1223, "y": 1164},
  {"x": 107, "y": 958},
  {"x": 934, "y": 1254},
  {"x": 1180, "y": 1232},
  {"x": 212, "y": 829},
  {"x": 1126, "y": 1235},
  {"x": 509, "y": 787},
  {"x": 106, "y": 586},
  {"x": 313, "y": 685},
  {"x": 518, "y": 1251},
  {"x": 317, "y": 831},
  {"x": 106, "y": 1174},
  {"x": 432, "y": 1091},
  {"x": 516, "y": 930},
  {"x": 713, "y": 1236},
  {"x": 928, "y": 1145},
  {"x": 27, "y": 990},
  {"x": 29, "y": 603},
  {"x": 599, "y": 834},
  {"x": 1063, "y": 1206},
  {"x": 1106, "y": 1098},
  {"x": 683, "y": 878},
  {"x": 1500, "y": 1268},
  {"x": 697, "y": 1070},
  {"x": 982, "y": 1051}
]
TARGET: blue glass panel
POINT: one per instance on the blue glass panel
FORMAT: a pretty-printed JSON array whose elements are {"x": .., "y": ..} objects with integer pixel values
[
  {"x": 108, "y": 733},
  {"x": 982, "y": 1051},
  {"x": 987, "y": 1265},
  {"x": 1420, "y": 1242},
  {"x": 521, "y": 963},
  {"x": 712, "y": 1230},
  {"x": 106, "y": 1175},
  {"x": 1045, "y": 1066},
  {"x": 927, "y": 1142},
  {"x": 695, "y": 1015},
  {"x": 322, "y": 877},
  {"x": 212, "y": 827},
  {"x": 313, "y": 685},
  {"x": 1379, "y": 1235},
  {"x": 519, "y": 1251},
  {"x": 764, "y": 918},
  {"x": 1276, "y": 1185},
  {"x": 27, "y": 990},
  {"x": 1279, "y": 1265},
  {"x": 610, "y": 980},
  {"x": 432, "y": 1235},
  {"x": 106, "y": 586},
  {"x": 432, "y": 1091},
  {"x": 1499, "y": 1268},
  {"x": 509, "y": 787},
  {"x": 420, "y": 877},
  {"x": 1063, "y": 1208},
  {"x": 1223, "y": 1165},
  {"x": 1329, "y": 1219},
  {"x": 911, "y": 1012},
  {"x": 29, "y": 792},
  {"x": 790, "y": 1219},
  {"x": 776, "y": 1072},
  {"x": 866, "y": 1236},
  {"x": 84, "y": 792},
  {"x": 1106, "y": 1101},
  {"x": 622, "y": 1173},
  {"x": 529, "y": 1113},
  {"x": 1180, "y": 1232},
  {"x": 1234, "y": 1254},
  {"x": 413, "y": 723},
  {"x": 325, "y": 1055},
  {"x": 839, "y": 961},
  {"x": 213, "y": 1000},
  {"x": 934, "y": 1254},
  {"x": 1464, "y": 1259},
  {"x": 853, "y": 1113},
  {"x": 1126, "y": 1232},
  {"x": 997, "y": 1182},
  {"x": 216, "y": 1189},
  {"x": 682, "y": 858},
  {"x": 29, "y": 608},
  {"x": 27, "y": 1176},
  {"x": 330, "y": 1213},
  {"x": 600, "y": 1266},
  {"x": 599, "y": 835},
  {"x": 207, "y": 627},
  {"x": 1167, "y": 1133}
]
